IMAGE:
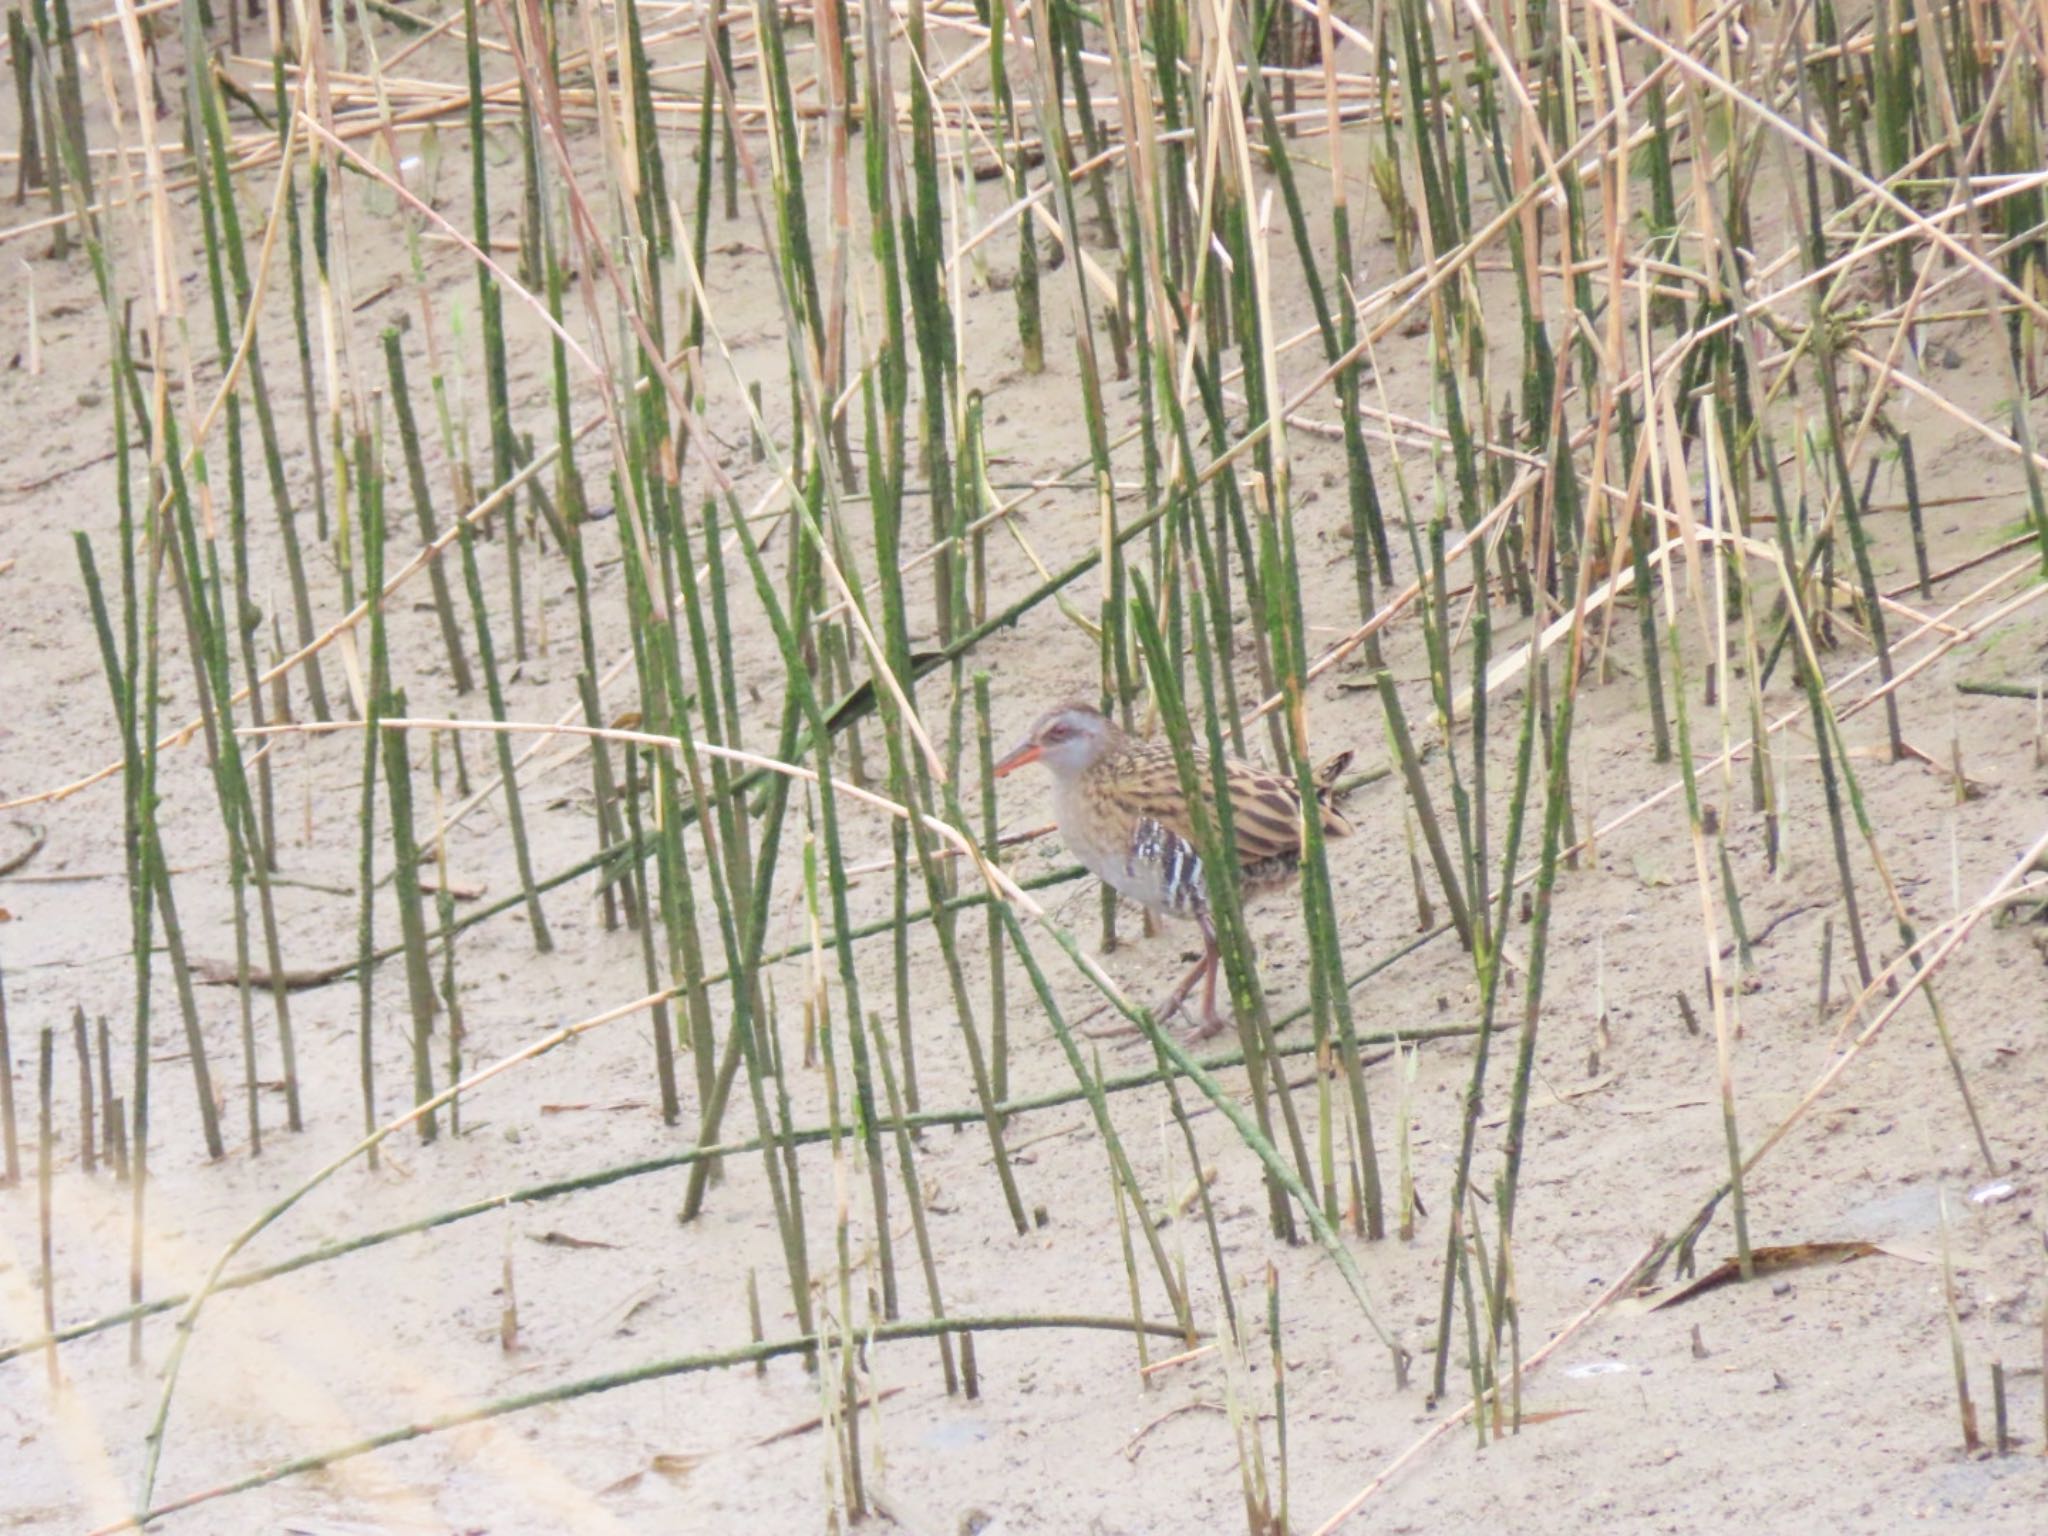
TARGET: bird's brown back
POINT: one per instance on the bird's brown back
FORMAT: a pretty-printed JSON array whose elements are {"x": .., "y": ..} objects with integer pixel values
[{"x": 1266, "y": 824}]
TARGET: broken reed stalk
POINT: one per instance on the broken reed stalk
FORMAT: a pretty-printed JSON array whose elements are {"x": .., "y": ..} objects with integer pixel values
[
  {"x": 80, "y": 1043},
  {"x": 1279, "y": 1361},
  {"x": 46, "y": 1151},
  {"x": 444, "y": 912},
  {"x": 113, "y": 1132},
  {"x": 407, "y": 871},
  {"x": 1966, "y": 1408},
  {"x": 10, "y": 1145}
]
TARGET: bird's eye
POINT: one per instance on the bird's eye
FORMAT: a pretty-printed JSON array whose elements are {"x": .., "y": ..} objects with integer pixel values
[{"x": 1058, "y": 732}]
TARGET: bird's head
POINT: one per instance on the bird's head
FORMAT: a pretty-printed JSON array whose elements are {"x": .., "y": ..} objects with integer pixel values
[{"x": 1068, "y": 740}]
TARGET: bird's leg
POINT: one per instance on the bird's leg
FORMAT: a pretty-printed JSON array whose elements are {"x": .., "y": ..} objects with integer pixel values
[
  {"x": 1162, "y": 1012},
  {"x": 1173, "y": 1000},
  {"x": 1212, "y": 1022},
  {"x": 1179, "y": 994}
]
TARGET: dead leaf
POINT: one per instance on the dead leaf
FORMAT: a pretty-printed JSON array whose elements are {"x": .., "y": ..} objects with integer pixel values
[
  {"x": 815, "y": 1423},
  {"x": 508, "y": 1309},
  {"x": 1769, "y": 1261},
  {"x": 1591, "y": 1085},
  {"x": 616, "y": 1316},
  {"x": 1659, "y": 1109},
  {"x": 461, "y": 890},
  {"x": 563, "y": 1109},
  {"x": 1576, "y": 1091},
  {"x": 1648, "y": 873},
  {"x": 1545, "y": 1415},
  {"x": 221, "y": 973},
  {"x": 677, "y": 1465}
]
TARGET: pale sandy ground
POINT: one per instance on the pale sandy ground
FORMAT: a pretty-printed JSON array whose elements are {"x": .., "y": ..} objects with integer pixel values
[{"x": 1822, "y": 1400}]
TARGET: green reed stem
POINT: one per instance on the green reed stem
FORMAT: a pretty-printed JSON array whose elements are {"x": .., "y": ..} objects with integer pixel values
[
  {"x": 407, "y": 872},
  {"x": 1210, "y": 815},
  {"x": 909, "y": 1122},
  {"x": 1330, "y": 1001},
  {"x": 913, "y": 1196},
  {"x": 423, "y": 507},
  {"x": 487, "y": 660},
  {"x": 490, "y": 304},
  {"x": 1016, "y": 181},
  {"x": 1096, "y": 1091},
  {"x": 654, "y": 1370}
]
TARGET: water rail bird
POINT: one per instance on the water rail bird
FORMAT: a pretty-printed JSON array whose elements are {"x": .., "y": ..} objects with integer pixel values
[{"x": 1120, "y": 811}]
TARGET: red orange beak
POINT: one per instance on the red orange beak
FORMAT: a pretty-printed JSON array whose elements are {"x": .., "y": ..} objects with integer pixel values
[{"x": 1029, "y": 752}]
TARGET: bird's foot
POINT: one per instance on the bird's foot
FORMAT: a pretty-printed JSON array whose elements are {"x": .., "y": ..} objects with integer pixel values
[
  {"x": 1171, "y": 1004},
  {"x": 1167, "y": 1007}
]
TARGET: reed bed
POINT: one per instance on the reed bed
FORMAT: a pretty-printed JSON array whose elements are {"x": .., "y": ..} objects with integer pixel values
[{"x": 722, "y": 424}]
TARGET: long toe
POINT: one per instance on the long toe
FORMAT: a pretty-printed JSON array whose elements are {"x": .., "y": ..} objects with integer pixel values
[
  {"x": 1169, "y": 1004},
  {"x": 1212, "y": 1025}
]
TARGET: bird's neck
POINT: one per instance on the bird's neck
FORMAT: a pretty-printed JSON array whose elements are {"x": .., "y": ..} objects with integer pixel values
[{"x": 1070, "y": 801}]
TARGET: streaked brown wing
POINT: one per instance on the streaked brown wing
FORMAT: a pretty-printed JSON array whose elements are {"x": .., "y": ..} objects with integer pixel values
[{"x": 1265, "y": 810}]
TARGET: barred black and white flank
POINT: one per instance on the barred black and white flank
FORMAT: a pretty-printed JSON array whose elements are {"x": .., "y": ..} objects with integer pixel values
[{"x": 1120, "y": 809}]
